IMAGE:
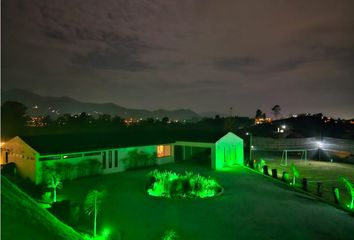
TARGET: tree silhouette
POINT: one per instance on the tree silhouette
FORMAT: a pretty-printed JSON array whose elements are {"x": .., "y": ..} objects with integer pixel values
[
  {"x": 13, "y": 118},
  {"x": 92, "y": 205},
  {"x": 276, "y": 111},
  {"x": 47, "y": 121},
  {"x": 259, "y": 113},
  {"x": 165, "y": 120}
]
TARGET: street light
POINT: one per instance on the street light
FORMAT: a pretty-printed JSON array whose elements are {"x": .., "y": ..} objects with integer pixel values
[{"x": 320, "y": 145}]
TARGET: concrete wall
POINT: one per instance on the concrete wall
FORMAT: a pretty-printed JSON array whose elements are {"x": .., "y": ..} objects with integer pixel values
[
  {"x": 70, "y": 166},
  {"x": 135, "y": 157},
  {"x": 32, "y": 165},
  {"x": 23, "y": 156},
  {"x": 79, "y": 164}
]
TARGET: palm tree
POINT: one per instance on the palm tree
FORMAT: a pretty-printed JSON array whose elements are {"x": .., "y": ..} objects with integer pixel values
[
  {"x": 54, "y": 181},
  {"x": 92, "y": 205}
]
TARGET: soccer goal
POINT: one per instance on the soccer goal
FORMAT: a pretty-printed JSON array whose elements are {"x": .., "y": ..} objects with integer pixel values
[{"x": 301, "y": 154}]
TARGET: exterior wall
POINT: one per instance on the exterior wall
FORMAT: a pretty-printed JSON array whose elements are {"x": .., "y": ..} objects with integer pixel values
[
  {"x": 79, "y": 164},
  {"x": 30, "y": 164},
  {"x": 135, "y": 157},
  {"x": 187, "y": 150},
  {"x": 229, "y": 151},
  {"x": 70, "y": 166},
  {"x": 22, "y": 155},
  {"x": 113, "y": 162}
]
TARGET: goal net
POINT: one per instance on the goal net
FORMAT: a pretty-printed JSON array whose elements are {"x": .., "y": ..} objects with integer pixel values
[{"x": 298, "y": 154}]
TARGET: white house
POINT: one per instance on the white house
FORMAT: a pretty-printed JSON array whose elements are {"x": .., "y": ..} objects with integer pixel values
[{"x": 74, "y": 156}]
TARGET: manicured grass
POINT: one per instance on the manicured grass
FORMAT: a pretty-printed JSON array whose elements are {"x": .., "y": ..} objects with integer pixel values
[
  {"x": 252, "y": 207},
  {"x": 315, "y": 171}
]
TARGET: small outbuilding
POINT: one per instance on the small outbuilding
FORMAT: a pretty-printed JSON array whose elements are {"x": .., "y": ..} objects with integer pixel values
[{"x": 224, "y": 150}]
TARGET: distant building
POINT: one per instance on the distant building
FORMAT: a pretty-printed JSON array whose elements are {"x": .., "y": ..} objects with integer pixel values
[
  {"x": 262, "y": 120},
  {"x": 35, "y": 122},
  {"x": 83, "y": 155}
]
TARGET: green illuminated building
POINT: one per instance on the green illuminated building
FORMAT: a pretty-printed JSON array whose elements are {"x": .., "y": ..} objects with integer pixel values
[{"x": 75, "y": 156}]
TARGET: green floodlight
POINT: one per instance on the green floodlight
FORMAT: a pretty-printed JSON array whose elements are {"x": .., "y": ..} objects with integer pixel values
[{"x": 106, "y": 232}]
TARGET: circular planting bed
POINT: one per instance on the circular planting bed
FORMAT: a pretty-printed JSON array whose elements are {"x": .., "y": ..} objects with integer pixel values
[{"x": 189, "y": 185}]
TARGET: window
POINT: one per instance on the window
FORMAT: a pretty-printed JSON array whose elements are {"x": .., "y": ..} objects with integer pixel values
[
  {"x": 115, "y": 158},
  {"x": 72, "y": 156},
  {"x": 92, "y": 154},
  {"x": 104, "y": 160},
  {"x": 49, "y": 158},
  {"x": 163, "y": 151},
  {"x": 110, "y": 159}
]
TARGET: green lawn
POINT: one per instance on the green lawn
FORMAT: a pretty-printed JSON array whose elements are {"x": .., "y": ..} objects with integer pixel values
[
  {"x": 23, "y": 218},
  {"x": 315, "y": 171},
  {"x": 252, "y": 207}
]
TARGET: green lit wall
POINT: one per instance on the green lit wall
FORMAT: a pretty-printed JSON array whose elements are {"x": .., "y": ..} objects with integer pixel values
[{"x": 75, "y": 162}]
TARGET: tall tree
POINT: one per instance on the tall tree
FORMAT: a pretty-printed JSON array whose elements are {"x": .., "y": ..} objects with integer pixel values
[
  {"x": 165, "y": 120},
  {"x": 276, "y": 111},
  {"x": 259, "y": 113},
  {"x": 92, "y": 205}
]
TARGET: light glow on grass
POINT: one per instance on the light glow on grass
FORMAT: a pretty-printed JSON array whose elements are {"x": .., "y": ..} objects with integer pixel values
[{"x": 106, "y": 232}]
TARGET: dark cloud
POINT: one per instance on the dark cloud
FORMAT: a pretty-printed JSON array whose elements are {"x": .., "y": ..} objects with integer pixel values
[
  {"x": 235, "y": 63},
  {"x": 55, "y": 35},
  {"x": 204, "y": 55},
  {"x": 123, "y": 60}
]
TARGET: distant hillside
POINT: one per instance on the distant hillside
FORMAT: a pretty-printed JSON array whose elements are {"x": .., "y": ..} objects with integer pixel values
[
  {"x": 23, "y": 218},
  {"x": 55, "y": 106}
]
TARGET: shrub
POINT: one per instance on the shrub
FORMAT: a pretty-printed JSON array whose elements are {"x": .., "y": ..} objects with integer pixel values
[
  {"x": 170, "y": 235},
  {"x": 172, "y": 185},
  {"x": 47, "y": 197}
]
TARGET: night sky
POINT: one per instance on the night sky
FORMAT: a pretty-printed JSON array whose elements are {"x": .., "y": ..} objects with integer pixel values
[{"x": 205, "y": 55}]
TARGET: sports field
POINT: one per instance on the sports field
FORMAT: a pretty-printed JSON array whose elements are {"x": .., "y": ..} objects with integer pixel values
[{"x": 325, "y": 173}]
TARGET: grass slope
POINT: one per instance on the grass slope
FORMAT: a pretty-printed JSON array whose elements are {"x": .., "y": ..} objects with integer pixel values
[{"x": 22, "y": 218}]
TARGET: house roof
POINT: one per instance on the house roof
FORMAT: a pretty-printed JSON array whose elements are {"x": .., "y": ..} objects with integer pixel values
[{"x": 69, "y": 143}]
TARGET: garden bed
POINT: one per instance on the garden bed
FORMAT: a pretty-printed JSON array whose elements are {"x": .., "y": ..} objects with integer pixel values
[{"x": 169, "y": 184}]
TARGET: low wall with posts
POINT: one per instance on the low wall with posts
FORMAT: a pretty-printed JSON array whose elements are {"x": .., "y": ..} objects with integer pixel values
[{"x": 325, "y": 143}]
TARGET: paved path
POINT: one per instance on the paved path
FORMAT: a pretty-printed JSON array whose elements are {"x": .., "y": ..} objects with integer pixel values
[{"x": 252, "y": 207}]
